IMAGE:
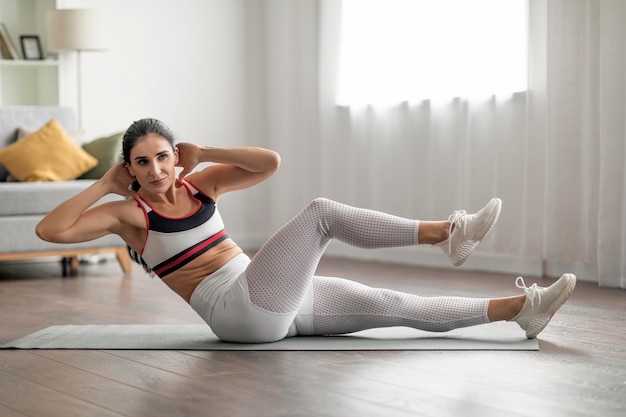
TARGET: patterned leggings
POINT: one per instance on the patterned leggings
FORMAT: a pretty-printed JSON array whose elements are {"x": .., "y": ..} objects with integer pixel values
[{"x": 280, "y": 276}]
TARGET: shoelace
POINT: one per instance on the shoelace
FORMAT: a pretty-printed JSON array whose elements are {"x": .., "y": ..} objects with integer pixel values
[
  {"x": 458, "y": 218},
  {"x": 532, "y": 291}
]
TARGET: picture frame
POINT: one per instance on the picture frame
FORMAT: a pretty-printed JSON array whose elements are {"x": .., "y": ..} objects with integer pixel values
[{"x": 31, "y": 47}]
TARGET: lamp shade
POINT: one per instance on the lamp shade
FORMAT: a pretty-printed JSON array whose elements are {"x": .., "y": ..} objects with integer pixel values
[{"x": 76, "y": 30}]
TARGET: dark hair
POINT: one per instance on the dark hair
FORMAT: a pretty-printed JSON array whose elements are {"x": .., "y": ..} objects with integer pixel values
[
  {"x": 141, "y": 128},
  {"x": 136, "y": 131}
]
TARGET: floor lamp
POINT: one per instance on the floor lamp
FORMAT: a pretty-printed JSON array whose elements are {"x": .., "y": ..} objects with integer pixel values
[{"x": 76, "y": 30}]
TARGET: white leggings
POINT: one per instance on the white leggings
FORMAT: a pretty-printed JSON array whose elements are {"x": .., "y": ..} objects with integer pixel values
[{"x": 277, "y": 295}]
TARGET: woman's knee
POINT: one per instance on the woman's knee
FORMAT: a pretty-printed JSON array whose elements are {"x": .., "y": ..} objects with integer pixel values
[
  {"x": 323, "y": 208},
  {"x": 319, "y": 204}
]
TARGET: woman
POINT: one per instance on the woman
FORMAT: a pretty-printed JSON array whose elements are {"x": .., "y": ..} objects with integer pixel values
[{"x": 172, "y": 226}]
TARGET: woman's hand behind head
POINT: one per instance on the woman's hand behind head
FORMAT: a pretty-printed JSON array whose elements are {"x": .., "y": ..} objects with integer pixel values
[
  {"x": 118, "y": 180},
  {"x": 187, "y": 158}
]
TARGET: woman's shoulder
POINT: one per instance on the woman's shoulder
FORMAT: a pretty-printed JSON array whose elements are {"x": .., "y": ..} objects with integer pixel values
[
  {"x": 198, "y": 182},
  {"x": 127, "y": 210},
  {"x": 122, "y": 203}
]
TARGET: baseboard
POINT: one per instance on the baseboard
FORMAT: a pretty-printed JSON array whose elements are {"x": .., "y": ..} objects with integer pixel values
[
  {"x": 583, "y": 272},
  {"x": 433, "y": 258}
]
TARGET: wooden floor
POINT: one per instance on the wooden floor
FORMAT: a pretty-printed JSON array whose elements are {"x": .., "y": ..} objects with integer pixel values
[{"x": 580, "y": 369}]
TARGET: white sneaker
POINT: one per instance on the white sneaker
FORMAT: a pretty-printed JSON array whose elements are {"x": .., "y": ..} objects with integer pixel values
[
  {"x": 467, "y": 230},
  {"x": 542, "y": 303}
]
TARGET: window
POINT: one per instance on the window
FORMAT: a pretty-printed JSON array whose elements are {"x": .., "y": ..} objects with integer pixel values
[{"x": 410, "y": 50}]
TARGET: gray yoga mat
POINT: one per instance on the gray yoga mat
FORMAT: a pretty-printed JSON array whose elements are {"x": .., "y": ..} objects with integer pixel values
[{"x": 493, "y": 336}]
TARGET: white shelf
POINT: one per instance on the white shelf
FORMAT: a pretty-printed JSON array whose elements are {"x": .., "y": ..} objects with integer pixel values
[
  {"x": 29, "y": 63},
  {"x": 29, "y": 82}
]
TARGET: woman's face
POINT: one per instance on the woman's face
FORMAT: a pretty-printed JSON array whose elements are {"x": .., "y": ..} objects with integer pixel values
[{"x": 153, "y": 162}]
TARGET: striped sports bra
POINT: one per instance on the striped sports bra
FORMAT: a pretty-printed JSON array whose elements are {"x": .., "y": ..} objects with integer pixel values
[{"x": 174, "y": 242}]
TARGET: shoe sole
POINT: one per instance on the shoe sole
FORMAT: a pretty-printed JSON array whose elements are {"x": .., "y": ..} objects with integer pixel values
[
  {"x": 465, "y": 250},
  {"x": 542, "y": 320}
]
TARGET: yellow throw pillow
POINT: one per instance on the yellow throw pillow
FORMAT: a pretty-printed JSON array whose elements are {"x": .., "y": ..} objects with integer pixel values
[{"x": 48, "y": 154}]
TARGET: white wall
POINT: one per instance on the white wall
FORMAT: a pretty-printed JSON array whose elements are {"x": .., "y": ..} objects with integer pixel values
[
  {"x": 180, "y": 61},
  {"x": 186, "y": 63}
]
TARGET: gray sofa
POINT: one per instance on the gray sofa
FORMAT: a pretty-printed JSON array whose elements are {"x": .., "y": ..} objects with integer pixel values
[{"x": 23, "y": 204}]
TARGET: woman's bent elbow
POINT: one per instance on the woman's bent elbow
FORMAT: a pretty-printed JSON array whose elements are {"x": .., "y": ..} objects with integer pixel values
[
  {"x": 275, "y": 161},
  {"x": 41, "y": 233},
  {"x": 44, "y": 234}
]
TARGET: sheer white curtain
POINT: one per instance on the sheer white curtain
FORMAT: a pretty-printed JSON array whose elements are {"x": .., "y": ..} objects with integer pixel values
[
  {"x": 555, "y": 155},
  {"x": 410, "y": 50},
  {"x": 612, "y": 134},
  {"x": 427, "y": 158},
  {"x": 585, "y": 156}
]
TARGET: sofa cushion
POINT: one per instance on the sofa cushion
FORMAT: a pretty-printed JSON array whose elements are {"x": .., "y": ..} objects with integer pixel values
[
  {"x": 107, "y": 150},
  {"x": 32, "y": 198},
  {"x": 75, "y": 135},
  {"x": 12, "y": 117},
  {"x": 49, "y": 154}
]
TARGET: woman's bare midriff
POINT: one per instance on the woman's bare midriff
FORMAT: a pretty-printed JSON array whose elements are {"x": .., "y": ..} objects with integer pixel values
[{"x": 185, "y": 280}]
